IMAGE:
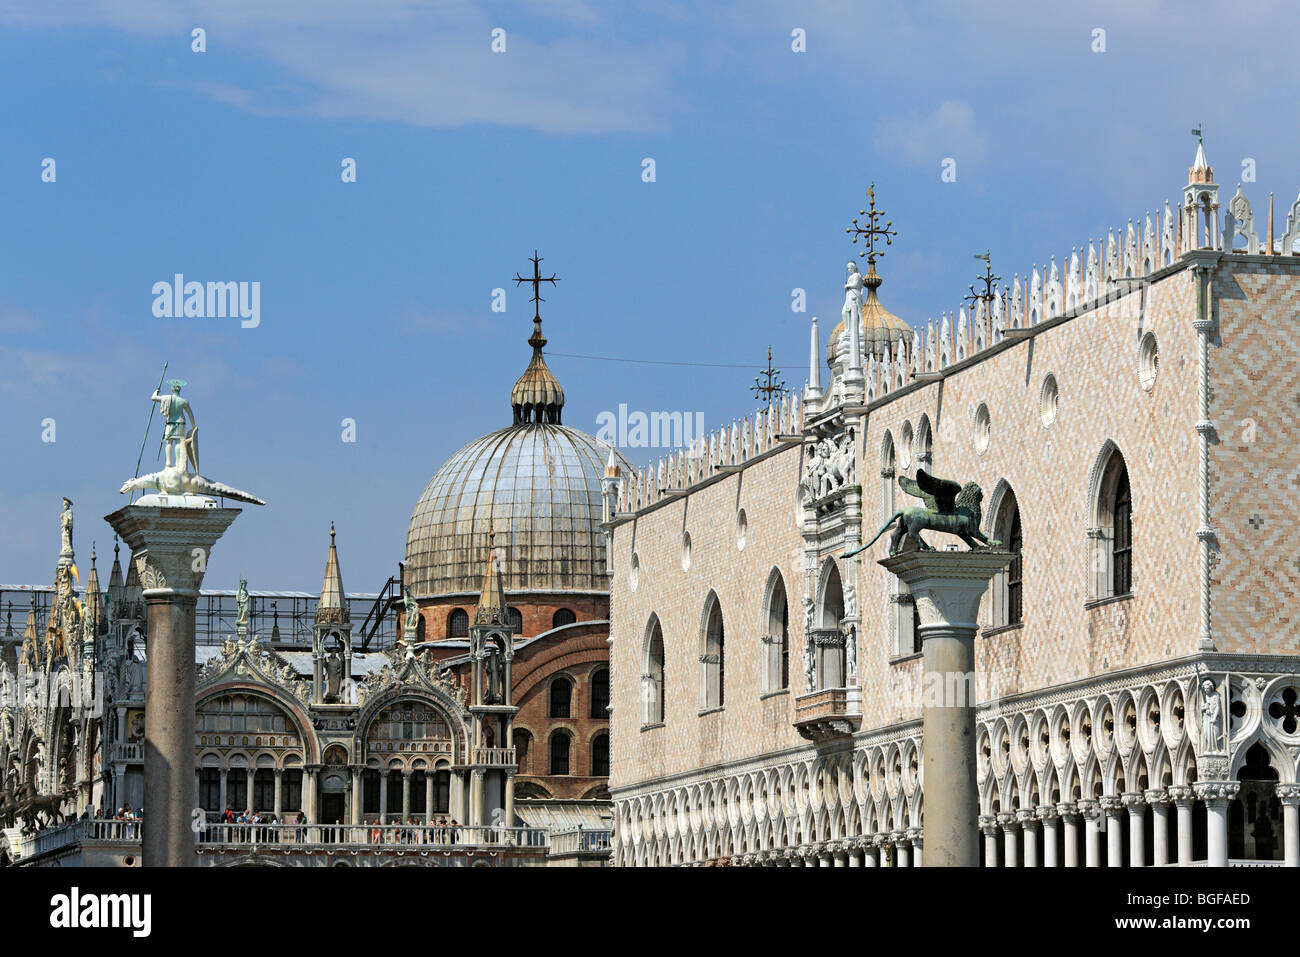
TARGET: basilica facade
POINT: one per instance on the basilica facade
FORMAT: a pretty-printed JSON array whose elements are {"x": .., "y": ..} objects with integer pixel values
[
  {"x": 480, "y": 736},
  {"x": 1130, "y": 419}
]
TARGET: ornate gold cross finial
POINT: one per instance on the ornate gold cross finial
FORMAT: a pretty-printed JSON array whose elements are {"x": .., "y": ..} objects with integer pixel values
[
  {"x": 536, "y": 279},
  {"x": 768, "y": 384},
  {"x": 872, "y": 230}
]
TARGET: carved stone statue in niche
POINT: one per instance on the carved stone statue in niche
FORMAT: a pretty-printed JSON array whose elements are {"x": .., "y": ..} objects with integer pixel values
[
  {"x": 333, "y": 676},
  {"x": 494, "y": 669}
]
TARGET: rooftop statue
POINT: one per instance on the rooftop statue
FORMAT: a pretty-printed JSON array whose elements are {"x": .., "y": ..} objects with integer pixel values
[
  {"x": 179, "y": 476},
  {"x": 949, "y": 507}
]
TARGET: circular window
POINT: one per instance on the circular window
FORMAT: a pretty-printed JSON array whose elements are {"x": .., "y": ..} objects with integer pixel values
[
  {"x": 983, "y": 428},
  {"x": 1047, "y": 400},
  {"x": 905, "y": 446},
  {"x": 634, "y": 572},
  {"x": 742, "y": 529},
  {"x": 1148, "y": 361},
  {"x": 686, "y": 551}
]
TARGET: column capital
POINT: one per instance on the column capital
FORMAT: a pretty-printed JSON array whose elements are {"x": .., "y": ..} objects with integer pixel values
[
  {"x": 1025, "y": 815},
  {"x": 898, "y": 837},
  {"x": 988, "y": 824},
  {"x": 1110, "y": 803},
  {"x": 1048, "y": 812},
  {"x": 1181, "y": 794},
  {"x": 915, "y": 834},
  {"x": 171, "y": 546},
  {"x": 1156, "y": 796},
  {"x": 1289, "y": 794},
  {"x": 1089, "y": 809},
  {"x": 1067, "y": 809},
  {"x": 1216, "y": 792},
  {"x": 1132, "y": 800},
  {"x": 1007, "y": 819},
  {"x": 947, "y": 586}
]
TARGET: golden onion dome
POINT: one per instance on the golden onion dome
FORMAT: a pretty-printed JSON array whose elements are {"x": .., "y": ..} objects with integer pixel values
[{"x": 537, "y": 395}]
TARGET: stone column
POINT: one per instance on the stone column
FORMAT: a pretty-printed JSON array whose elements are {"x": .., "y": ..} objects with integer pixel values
[
  {"x": 510, "y": 799},
  {"x": 1070, "y": 820},
  {"x": 869, "y": 856},
  {"x": 855, "y": 852},
  {"x": 1135, "y": 804},
  {"x": 840, "y": 853},
  {"x": 1216, "y": 795},
  {"x": 1114, "y": 812},
  {"x": 222, "y": 797},
  {"x": 357, "y": 797},
  {"x": 1181, "y": 795},
  {"x": 476, "y": 796},
  {"x": 1158, "y": 799},
  {"x": 1029, "y": 836},
  {"x": 406, "y": 795},
  {"x": 989, "y": 825},
  {"x": 916, "y": 835},
  {"x": 1047, "y": 814},
  {"x": 279, "y": 807},
  {"x": 1010, "y": 852},
  {"x": 171, "y": 548},
  {"x": 1289, "y": 795},
  {"x": 947, "y": 588},
  {"x": 383, "y": 796},
  {"x": 902, "y": 850},
  {"x": 428, "y": 797},
  {"x": 1091, "y": 814}
]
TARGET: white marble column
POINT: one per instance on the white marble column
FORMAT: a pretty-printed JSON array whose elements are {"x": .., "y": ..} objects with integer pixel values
[
  {"x": 1090, "y": 811},
  {"x": 870, "y": 856},
  {"x": 1029, "y": 836},
  {"x": 1070, "y": 821},
  {"x": 989, "y": 825},
  {"x": 1181, "y": 795},
  {"x": 1114, "y": 823},
  {"x": 916, "y": 835},
  {"x": 1010, "y": 832},
  {"x": 406, "y": 796},
  {"x": 902, "y": 849},
  {"x": 1289, "y": 795},
  {"x": 428, "y": 797},
  {"x": 1047, "y": 814},
  {"x": 383, "y": 796},
  {"x": 1158, "y": 799},
  {"x": 1216, "y": 795},
  {"x": 279, "y": 810},
  {"x": 1135, "y": 804},
  {"x": 840, "y": 854}
]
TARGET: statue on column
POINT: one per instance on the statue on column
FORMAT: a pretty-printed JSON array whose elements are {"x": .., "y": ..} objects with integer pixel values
[
  {"x": 180, "y": 475},
  {"x": 177, "y": 442},
  {"x": 411, "y": 618},
  {"x": 853, "y": 286},
  {"x": 1209, "y": 717},
  {"x": 851, "y": 656},
  {"x": 242, "y": 602},
  {"x": 65, "y": 522},
  {"x": 495, "y": 671}
]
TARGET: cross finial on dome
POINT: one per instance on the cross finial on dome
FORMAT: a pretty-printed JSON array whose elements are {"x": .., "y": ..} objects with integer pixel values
[{"x": 537, "y": 396}]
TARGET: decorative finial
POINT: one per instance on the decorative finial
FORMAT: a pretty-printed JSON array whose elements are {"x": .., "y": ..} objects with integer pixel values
[
  {"x": 988, "y": 279},
  {"x": 331, "y": 532},
  {"x": 536, "y": 340},
  {"x": 872, "y": 230},
  {"x": 768, "y": 383}
]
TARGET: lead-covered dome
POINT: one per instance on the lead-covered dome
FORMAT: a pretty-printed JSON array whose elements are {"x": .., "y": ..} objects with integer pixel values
[{"x": 536, "y": 484}]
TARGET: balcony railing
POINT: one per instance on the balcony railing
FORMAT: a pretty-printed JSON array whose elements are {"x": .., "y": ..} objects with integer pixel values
[
  {"x": 387, "y": 836},
  {"x": 80, "y": 832},
  {"x": 580, "y": 841},
  {"x": 827, "y": 713},
  {"x": 129, "y": 752},
  {"x": 494, "y": 756}
]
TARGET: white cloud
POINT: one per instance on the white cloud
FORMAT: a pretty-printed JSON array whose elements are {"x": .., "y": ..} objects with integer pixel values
[
  {"x": 564, "y": 70},
  {"x": 949, "y": 131}
]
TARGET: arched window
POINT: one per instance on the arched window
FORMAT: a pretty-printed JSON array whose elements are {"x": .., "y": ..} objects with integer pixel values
[
  {"x": 523, "y": 742},
  {"x": 600, "y": 694},
  {"x": 516, "y": 619},
  {"x": 458, "y": 623},
  {"x": 264, "y": 790},
  {"x": 776, "y": 637},
  {"x": 562, "y": 617},
  {"x": 1006, "y": 606},
  {"x": 561, "y": 697},
  {"x": 441, "y": 792},
  {"x": 1112, "y": 534},
  {"x": 712, "y": 671},
  {"x": 600, "y": 756},
  {"x": 559, "y": 753},
  {"x": 829, "y": 640},
  {"x": 652, "y": 693}
]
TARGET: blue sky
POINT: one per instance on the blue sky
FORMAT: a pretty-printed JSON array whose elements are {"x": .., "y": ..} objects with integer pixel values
[{"x": 376, "y": 295}]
